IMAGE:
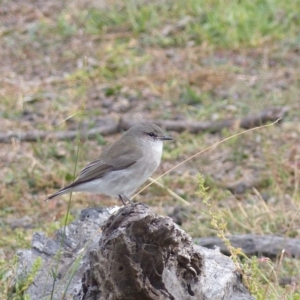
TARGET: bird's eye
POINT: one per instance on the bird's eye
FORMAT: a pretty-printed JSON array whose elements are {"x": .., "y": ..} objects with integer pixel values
[{"x": 151, "y": 134}]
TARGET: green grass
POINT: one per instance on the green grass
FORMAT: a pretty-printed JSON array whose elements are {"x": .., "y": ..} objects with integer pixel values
[
  {"x": 16, "y": 289},
  {"x": 219, "y": 23}
]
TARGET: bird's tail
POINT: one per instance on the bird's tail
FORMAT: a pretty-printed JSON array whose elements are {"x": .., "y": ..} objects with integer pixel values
[{"x": 64, "y": 190}]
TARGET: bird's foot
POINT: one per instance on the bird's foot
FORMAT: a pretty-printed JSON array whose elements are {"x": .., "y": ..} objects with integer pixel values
[{"x": 125, "y": 199}]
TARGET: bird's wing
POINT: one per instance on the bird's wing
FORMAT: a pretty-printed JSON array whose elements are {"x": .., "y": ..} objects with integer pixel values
[{"x": 120, "y": 157}]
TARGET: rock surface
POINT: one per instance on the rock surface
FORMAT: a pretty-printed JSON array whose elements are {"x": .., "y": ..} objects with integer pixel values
[
  {"x": 138, "y": 255},
  {"x": 259, "y": 245}
]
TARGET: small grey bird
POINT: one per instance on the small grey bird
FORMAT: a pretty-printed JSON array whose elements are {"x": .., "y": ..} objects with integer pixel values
[{"x": 123, "y": 166}]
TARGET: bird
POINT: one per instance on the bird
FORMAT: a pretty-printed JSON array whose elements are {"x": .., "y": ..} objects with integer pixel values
[{"x": 123, "y": 166}]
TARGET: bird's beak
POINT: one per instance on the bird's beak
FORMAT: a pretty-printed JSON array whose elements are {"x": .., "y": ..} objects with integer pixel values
[{"x": 165, "y": 138}]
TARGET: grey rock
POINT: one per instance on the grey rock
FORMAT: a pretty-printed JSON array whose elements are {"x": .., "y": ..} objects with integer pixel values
[
  {"x": 135, "y": 255},
  {"x": 259, "y": 245}
]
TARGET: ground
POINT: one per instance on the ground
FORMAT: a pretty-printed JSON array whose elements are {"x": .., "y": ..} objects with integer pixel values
[{"x": 66, "y": 65}]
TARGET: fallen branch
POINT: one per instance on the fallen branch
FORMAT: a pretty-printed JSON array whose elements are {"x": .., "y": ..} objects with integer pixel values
[
  {"x": 38, "y": 135},
  {"x": 112, "y": 127},
  {"x": 267, "y": 245},
  {"x": 268, "y": 115}
]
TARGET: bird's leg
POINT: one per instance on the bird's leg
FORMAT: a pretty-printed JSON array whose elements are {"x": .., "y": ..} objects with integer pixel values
[
  {"x": 128, "y": 199},
  {"x": 123, "y": 198}
]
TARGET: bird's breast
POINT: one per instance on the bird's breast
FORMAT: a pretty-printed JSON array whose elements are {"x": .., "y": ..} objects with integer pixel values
[{"x": 154, "y": 152}]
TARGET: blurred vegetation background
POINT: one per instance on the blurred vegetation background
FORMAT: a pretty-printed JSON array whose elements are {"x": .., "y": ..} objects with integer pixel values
[{"x": 69, "y": 64}]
